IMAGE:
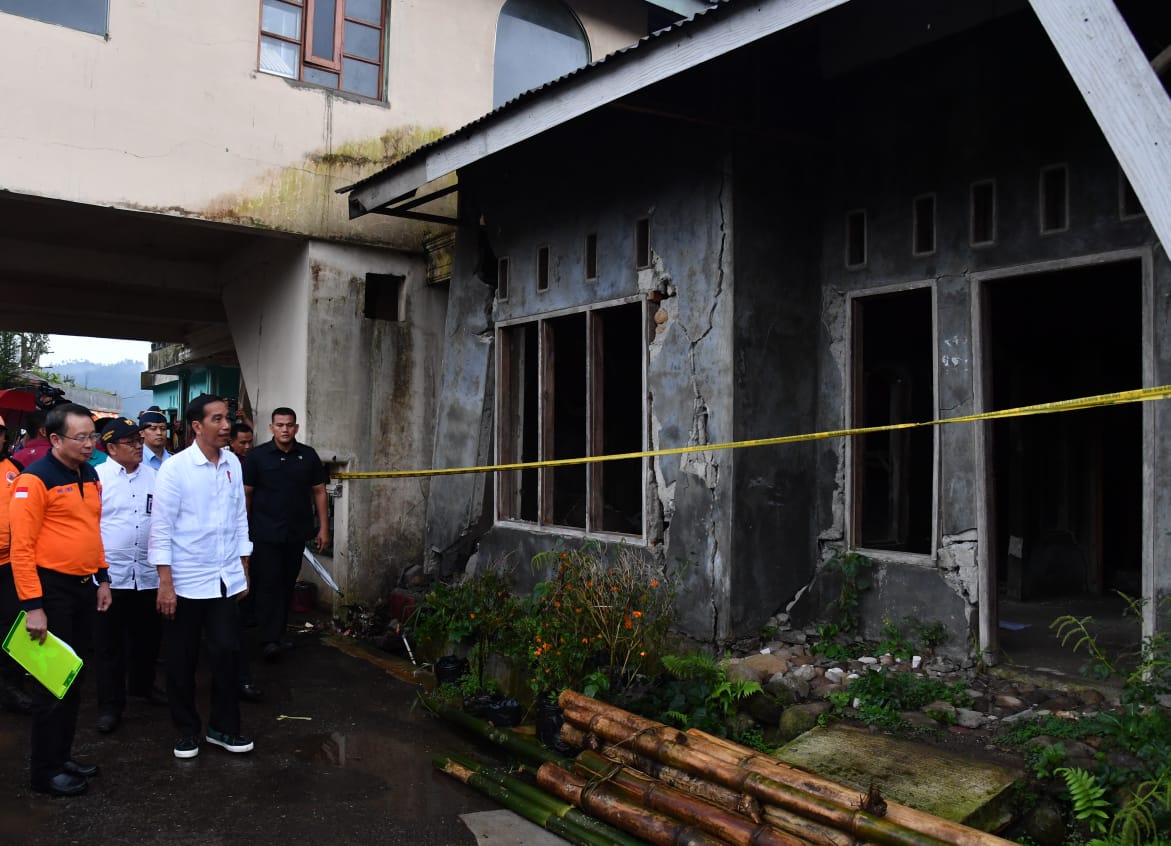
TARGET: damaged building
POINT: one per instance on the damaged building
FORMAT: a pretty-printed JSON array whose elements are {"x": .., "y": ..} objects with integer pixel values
[{"x": 796, "y": 217}]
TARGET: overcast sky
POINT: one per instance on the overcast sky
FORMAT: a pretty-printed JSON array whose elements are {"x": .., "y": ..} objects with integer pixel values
[{"x": 99, "y": 350}]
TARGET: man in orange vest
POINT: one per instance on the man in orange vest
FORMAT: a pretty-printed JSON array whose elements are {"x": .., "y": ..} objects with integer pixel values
[{"x": 59, "y": 568}]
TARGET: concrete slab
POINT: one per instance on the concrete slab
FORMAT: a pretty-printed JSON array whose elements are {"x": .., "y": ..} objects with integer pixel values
[
  {"x": 958, "y": 788},
  {"x": 506, "y": 828}
]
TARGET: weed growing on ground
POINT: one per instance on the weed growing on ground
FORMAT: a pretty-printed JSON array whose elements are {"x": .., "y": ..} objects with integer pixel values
[{"x": 878, "y": 696}]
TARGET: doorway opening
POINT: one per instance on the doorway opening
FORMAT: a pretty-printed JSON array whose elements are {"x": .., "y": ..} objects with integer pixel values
[{"x": 1066, "y": 489}]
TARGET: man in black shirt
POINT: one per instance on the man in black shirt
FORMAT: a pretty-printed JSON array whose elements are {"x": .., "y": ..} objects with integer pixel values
[{"x": 284, "y": 482}]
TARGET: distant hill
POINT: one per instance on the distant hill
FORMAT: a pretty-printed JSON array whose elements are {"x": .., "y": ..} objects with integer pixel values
[{"x": 123, "y": 379}]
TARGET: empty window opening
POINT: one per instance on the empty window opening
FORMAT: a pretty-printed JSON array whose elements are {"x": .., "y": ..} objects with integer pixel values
[
  {"x": 384, "y": 295},
  {"x": 591, "y": 256},
  {"x": 894, "y": 383},
  {"x": 1066, "y": 488},
  {"x": 923, "y": 225},
  {"x": 642, "y": 243},
  {"x": 983, "y": 213},
  {"x": 1128, "y": 201},
  {"x": 502, "y": 279},
  {"x": 570, "y": 387},
  {"x": 543, "y": 269},
  {"x": 856, "y": 238},
  {"x": 1054, "y": 200}
]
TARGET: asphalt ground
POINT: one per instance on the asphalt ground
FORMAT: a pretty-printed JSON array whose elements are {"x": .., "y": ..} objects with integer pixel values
[{"x": 356, "y": 771}]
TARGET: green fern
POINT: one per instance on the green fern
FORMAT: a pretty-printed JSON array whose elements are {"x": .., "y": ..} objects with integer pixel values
[
  {"x": 680, "y": 719},
  {"x": 695, "y": 665},
  {"x": 1089, "y": 798}
]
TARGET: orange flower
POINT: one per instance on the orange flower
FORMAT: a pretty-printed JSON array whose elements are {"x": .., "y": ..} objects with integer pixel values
[
  {"x": 628, "y": 625},
  {"x": 585, "y": 640},
  {"x": 472, "y": 615},
  {"x": 637, "y": 613},
  {"x": 654, "y": 582},
  {"x": 642, "y": 654}
]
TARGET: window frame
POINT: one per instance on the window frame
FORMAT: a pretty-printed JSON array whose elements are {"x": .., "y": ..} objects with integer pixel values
[
  {"x": 305, "y": 46},
  {"x": 507, "y": 485},
  {"x": 854, "y": 449}
]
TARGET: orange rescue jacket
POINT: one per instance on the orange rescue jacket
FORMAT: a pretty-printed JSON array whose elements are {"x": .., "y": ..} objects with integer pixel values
[{"x": 56, "y": 515}]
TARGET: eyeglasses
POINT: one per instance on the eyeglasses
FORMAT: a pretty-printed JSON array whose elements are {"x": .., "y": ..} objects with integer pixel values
[
  {"x": 130, "y": 442},
  {"x": 92, "y": 438}
]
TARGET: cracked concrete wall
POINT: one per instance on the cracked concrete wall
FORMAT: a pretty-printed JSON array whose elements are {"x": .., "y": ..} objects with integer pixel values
[
  {"x": 777, "y": 253},
  {"x": 689, "y": 282},
  {"x": 895, "y": 140}
]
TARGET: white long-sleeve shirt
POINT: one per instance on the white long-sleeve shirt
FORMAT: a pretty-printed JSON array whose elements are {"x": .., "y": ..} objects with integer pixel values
[
  {"x": 199, "y": 524},
  {"x": 127, "y": 500}
]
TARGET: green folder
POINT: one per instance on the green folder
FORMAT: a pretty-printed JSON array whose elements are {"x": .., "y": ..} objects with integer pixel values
[{"x": 53, "y": 663}]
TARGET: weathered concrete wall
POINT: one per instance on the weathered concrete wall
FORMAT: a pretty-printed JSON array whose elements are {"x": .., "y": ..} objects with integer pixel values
[
  {"x": 170, "y": 114},
  {"x": 777, "y": 251},
  {"x": 393, "y": 365},
  {"x": 689, "y": 507},
  {"x": 937, "y": 120},
  {"x": 266, "y": 296}
]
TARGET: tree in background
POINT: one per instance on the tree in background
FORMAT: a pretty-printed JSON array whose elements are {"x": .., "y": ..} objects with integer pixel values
[{"x": 19, "y": 352}]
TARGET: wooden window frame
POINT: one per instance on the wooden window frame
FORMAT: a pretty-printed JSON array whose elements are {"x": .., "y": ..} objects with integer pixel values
[
  {"x": 305, "y": 45},
  {"x": 507, "y": 433},
  {"x": 1043, "y": 198},
  {"x": 917, "y": 222},
  {"x": 993, "y": 228}
]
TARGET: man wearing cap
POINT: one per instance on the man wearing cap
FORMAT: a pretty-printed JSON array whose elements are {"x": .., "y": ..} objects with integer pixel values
[
  {"x": 153, "y": 424},
  {"x": 60, "y": 574},
  {"x": 128, "y": 635},
  {"x": 12, "y": 695},
  {"x": 36, "y": 443}
]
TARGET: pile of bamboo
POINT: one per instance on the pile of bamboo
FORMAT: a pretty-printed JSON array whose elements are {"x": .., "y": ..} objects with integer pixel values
[{"x": 665, "y": 786}]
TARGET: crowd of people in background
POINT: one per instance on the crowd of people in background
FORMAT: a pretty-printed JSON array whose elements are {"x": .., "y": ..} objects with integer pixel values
[{"x": 127, "y": 550}]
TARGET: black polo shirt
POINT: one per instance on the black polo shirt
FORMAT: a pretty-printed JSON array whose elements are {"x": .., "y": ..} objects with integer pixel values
[{"x": 282, "y": 495}]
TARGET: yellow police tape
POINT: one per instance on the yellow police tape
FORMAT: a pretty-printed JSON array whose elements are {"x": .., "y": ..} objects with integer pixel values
[{"x": 1098, "y": 401}]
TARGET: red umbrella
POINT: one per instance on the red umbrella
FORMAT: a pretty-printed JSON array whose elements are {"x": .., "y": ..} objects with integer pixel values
[{"x": 17, "y": 399}]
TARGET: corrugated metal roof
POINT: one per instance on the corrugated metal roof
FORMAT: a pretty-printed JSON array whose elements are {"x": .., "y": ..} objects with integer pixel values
[{"x": 647, "y": 42}]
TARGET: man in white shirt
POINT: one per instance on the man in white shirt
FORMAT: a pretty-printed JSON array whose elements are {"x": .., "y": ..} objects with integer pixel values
[
  {"x": 127, "y": 637},
  {"x": 153, "y": 424},
  {"x": 199, "y": 543}
]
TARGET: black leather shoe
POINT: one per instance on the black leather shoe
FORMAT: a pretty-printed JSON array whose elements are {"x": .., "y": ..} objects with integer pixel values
[
  {"x": 78, "y": 769},
  {"x": 107, "y": 721},
  {"x": 63, "y": 784},
  {"x": 251, "y": 693}
]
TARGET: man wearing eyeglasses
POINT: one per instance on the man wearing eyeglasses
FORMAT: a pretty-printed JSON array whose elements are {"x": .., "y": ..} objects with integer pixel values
[
  {"x": 128, "y": 636},
  {"x": 61, "y": 578},
  {"x": 153, "y": 424}
]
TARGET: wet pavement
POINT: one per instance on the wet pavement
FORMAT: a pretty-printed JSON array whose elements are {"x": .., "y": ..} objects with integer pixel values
[{"x": 357, "y": 771}]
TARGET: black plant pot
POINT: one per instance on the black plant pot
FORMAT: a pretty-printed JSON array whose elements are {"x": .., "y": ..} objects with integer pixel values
[
  {"x": 496, "y": 710},
  {"x": 549, "y": 719},
  {"x": 450, "y": 669}
]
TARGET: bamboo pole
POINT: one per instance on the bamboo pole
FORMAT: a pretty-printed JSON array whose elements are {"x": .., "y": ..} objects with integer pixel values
[
  {"x": 718, "y": 795},
  {"x": 529, "y": 752},
  {"x": 766, "y": 765},
  {"x": 543, "y": 810},
  {"x": 534, "y": 804},
  {"x": 602, "y": 801},
  {"x": 653, "y": 794},
  {"x": 672, "y": 747}
]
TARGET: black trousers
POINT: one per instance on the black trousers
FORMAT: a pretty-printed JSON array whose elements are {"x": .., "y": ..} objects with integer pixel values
[
  {"x": 274, "y": 568},
  {"x": 216, "y": 623},
  {"x": 70, "y": 604},
  {"x": 11, "y": 673},
  {"x": 126, "y": 643}
]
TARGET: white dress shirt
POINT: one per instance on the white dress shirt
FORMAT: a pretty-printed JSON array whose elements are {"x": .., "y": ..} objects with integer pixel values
[
  {"x": 126, "y": 506},
  {"x": 199, "y": 524}
]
